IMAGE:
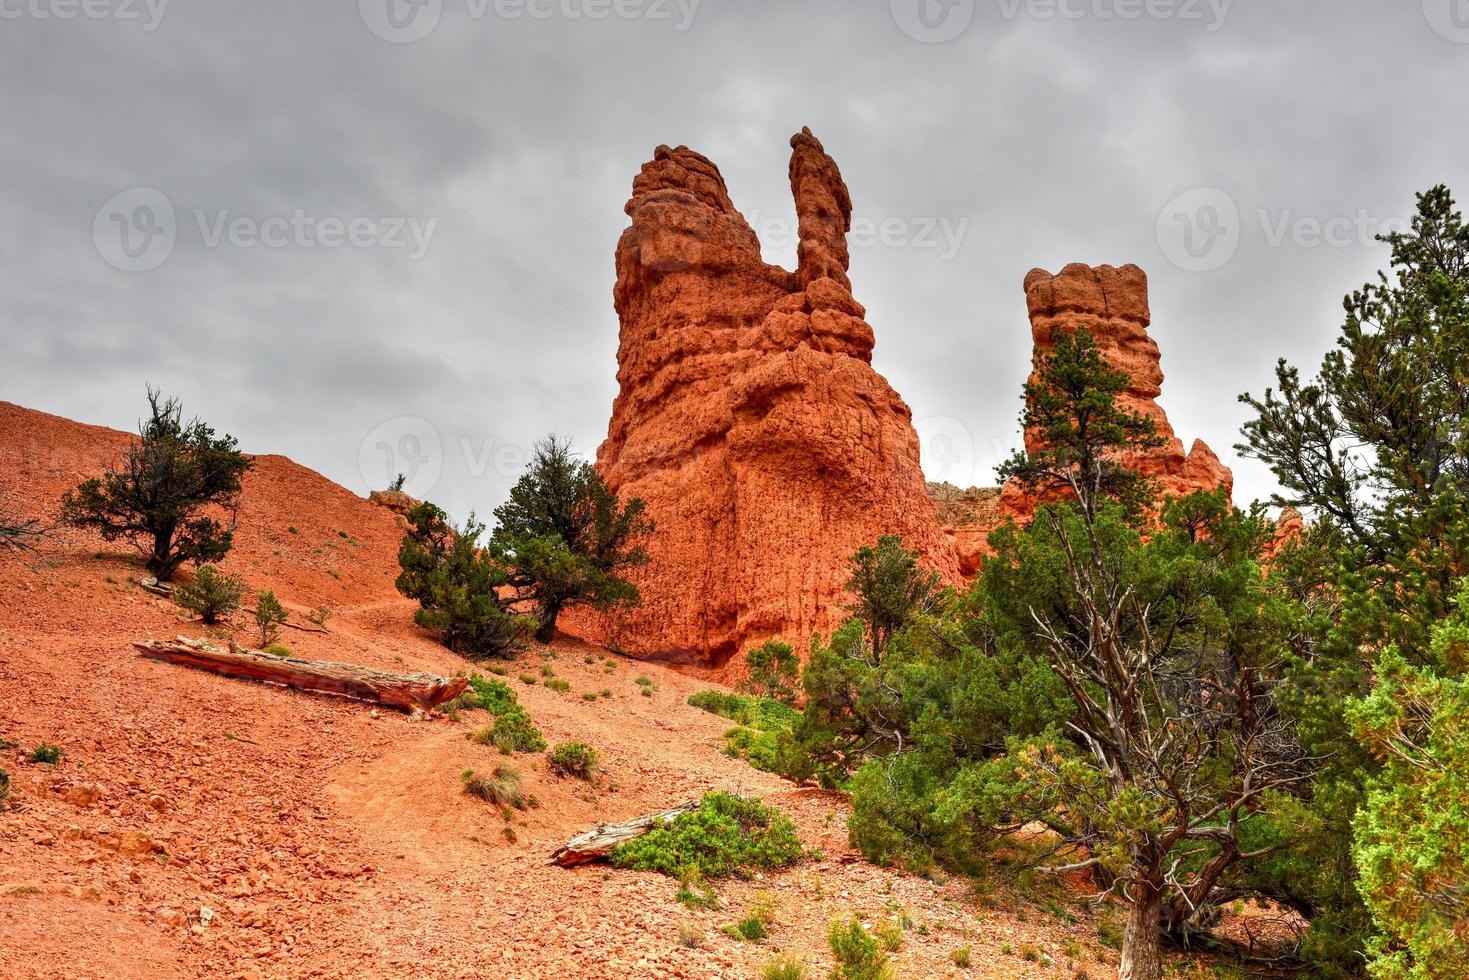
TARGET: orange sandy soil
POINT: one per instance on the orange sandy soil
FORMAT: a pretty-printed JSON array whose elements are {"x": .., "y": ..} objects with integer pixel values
[{"x": 240, "y": 830}]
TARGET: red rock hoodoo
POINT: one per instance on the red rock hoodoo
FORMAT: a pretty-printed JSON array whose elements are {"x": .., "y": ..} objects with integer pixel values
[
  {"x": 1112, "y": 304},
  {"x": 749, "y": 418}
]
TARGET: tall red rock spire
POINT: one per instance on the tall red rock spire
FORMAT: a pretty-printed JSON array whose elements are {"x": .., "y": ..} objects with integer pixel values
[{"x": 749, "y": 418}]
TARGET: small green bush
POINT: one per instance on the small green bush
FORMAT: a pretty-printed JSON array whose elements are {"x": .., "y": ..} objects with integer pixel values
[
  {"x": 589, "y": 695},
  {"x": 494, "y": 696},
  {"x": 689, "y": 935},
  {"x": 762, "y": 722},
  {"x": 269, "y": 615},
  {"x": 643, "y": 680},
  {"x": 558, "y": 685},
  {"x": 726, "y": 835},
  {"x": 756, "y": 924},
  {"x": 890, "y": 934},
  {"x": 515, "y": 732},
  {"x": 45, "y": 754},
  {"x": 502, "y": 789},
  {"x": 319, "y": 615},
  {"x": 276, "y": 650},
  {"x": 765, "y": 714},
  {"x": 750, "y": 929},
  {"x": 857, "y": 954},
  {"x": 961, "y": 957},
  {"x": 527, "y": 679},
  {"x": 577, "y": 759},
  {"x": 211, "y": 596},
  {"x": 783, "y": 968}
]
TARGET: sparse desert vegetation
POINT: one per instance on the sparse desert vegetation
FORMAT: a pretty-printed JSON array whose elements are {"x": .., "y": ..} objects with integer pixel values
[{"x": 726, "y": 683}]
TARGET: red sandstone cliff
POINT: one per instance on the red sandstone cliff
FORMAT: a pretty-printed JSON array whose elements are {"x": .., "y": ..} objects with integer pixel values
[
  {"x": 749, "y": 418},
  {"x": 1112, "y": 304}
]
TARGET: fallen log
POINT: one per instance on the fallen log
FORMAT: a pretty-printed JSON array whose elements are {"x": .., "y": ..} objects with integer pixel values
[
  {"x": 597, "y": 842},
  {"x": 410, "y": 692}
]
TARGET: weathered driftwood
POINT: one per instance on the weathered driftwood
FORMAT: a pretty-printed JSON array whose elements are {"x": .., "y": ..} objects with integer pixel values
[
  {"x": 410, "y": 692},
  {"x": 595, "y": 843}
]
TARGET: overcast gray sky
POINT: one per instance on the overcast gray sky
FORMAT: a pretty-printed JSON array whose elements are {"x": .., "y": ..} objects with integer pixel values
[{"x": 346, "y": 230}]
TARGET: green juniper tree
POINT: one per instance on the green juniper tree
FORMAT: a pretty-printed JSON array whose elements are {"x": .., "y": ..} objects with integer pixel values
[
  {"x": 774, "y": 671},
  {"x": 1112, "y": 682},
  {"x": 1167, "y": 644},
  {"x": 889, "y": 589},
  {"x": 462, "y": 591},
  {"x": 167, "y": 494},
  {"x": 1411, "y": 834},
  {"x": 1084, "y": 435},
  {"x": 565, "y": 539},
  {"x": 853, "y": 712},
  {"x": 1375, "y": 450}
]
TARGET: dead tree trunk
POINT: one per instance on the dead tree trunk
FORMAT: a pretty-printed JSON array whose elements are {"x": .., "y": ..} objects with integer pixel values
[
  {"x": 410, "y": 692},
  {"x": 597, "y": 842}
]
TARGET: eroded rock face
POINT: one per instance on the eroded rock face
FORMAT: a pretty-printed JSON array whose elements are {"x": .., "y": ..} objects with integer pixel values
[
  {"x": 1112, "y": 304},
  {"x": 749, "y": 418}
]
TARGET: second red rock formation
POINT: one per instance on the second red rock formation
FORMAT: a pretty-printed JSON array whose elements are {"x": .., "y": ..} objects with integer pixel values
[{"x": 1112, "y": 305}]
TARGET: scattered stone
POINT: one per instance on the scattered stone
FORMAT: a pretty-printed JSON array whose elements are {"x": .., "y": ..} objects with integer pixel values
[
  {"x": 83, "y": 795},
  {"x": 172, "y": 918}
]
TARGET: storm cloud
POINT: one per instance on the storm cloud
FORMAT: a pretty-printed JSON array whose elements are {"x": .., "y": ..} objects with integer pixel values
[{"x": 377, "y": 235}]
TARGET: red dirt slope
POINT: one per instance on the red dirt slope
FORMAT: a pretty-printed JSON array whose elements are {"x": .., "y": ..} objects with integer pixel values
[{"x": 198, "y": 826}]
